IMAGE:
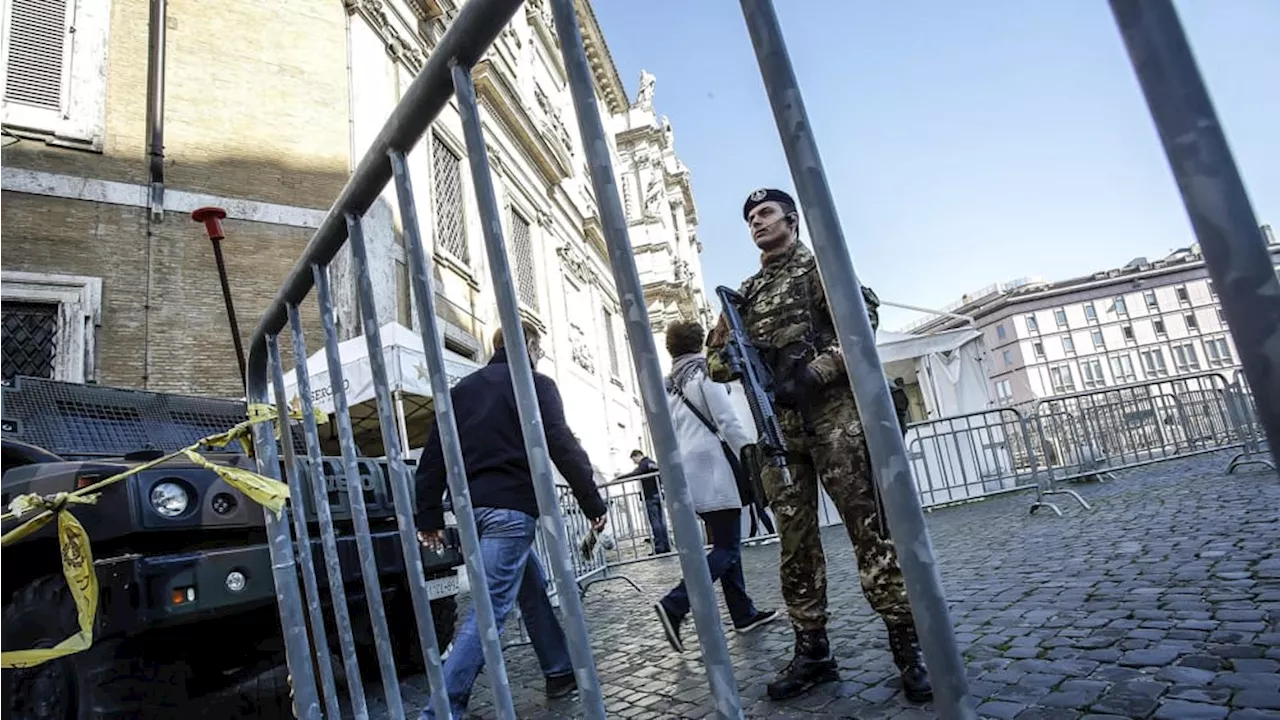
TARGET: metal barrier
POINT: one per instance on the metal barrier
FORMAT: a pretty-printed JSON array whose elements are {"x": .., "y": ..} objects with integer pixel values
[
  {"x": 1244, "y": 415},
  {"x": 1211, "y": 188},
  {"x": 970, "y": 456},
  {"x": 1088, "y": 434}
]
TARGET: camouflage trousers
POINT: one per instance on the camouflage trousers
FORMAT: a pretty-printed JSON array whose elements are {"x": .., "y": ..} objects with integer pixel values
[{"x": 835, "y": 454}]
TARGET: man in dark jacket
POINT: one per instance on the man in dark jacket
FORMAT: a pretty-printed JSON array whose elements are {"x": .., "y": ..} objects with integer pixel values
[
  {"x": 648, "y": 471},
  {"x": 506, "y": 512}
]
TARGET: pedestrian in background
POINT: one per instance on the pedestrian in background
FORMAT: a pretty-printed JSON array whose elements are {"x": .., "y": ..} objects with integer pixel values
[
  {"x": 711, "y": 440},
  {"x": 651, "y": 488},
  {"x": 506, "y": 512}
]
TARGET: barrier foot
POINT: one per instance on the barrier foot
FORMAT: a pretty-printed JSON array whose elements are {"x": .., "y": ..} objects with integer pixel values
[
  {"x": 586, "y": 583},
  {"x": 1038, "y": 504},
  {"x": 1248, "y": 458}
]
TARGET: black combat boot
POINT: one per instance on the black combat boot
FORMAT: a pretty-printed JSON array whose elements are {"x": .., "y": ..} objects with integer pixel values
[
  {"x": 811, "y": 666},
  {"x": 910, "y": 661}
]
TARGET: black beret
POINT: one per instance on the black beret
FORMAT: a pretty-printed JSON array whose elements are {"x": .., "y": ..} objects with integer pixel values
[{"x": 764, "y": 195}]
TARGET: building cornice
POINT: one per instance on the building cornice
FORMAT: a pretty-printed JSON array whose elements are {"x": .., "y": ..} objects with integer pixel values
[
  {"x": 602, "y": 65},
  {"x": 496, "y": 92}
]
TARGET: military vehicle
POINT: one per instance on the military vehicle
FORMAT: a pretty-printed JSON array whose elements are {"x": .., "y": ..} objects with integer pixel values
[{"x": 186, "y": 602}]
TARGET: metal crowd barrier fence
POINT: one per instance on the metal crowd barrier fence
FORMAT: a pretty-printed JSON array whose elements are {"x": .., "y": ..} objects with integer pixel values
[
  {"x": 1088, "y": 434},
  {"x": 1244, "y": 414},
  {"x": 1212, "y": 191}
]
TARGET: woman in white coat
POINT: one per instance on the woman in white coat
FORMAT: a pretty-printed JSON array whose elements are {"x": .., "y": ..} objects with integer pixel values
[{"x": 703, "y": 414}]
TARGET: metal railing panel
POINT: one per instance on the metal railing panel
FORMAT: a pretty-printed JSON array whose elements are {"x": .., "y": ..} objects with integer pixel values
[{"x": 626, "y": 278}]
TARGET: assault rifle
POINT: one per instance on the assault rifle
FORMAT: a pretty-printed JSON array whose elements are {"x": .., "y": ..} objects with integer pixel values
[{"x": 745, "y": 364}]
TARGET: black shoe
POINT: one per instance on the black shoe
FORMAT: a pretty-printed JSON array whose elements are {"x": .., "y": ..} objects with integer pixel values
[
  {"x": 760, "y": 618},
  {"x": 910, "y": 661},
  {"x": 811, "y": 666},
  {"x": 559, "y": 686},
  {"x": 670, "y": 627}
]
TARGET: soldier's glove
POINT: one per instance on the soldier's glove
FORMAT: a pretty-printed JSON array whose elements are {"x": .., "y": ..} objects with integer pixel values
[
  {"x": 752, "y": 462},
  {"x": 798, "y": 389}
]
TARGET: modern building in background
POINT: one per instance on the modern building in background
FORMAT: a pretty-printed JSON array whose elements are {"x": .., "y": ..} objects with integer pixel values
[
  {"x": 262, "y": 109},
  {"x": 1148, "y": 320}
]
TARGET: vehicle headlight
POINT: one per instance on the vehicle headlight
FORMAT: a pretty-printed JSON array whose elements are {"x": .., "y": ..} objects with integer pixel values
[{"x": 169, "y": 499}]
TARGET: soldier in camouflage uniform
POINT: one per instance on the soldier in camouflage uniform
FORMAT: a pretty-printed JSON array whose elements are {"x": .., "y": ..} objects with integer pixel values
[{"x": 786, "y": 314}]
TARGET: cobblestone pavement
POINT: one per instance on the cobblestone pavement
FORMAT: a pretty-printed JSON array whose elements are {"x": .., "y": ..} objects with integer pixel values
[{"x": 1161, "y": 602}]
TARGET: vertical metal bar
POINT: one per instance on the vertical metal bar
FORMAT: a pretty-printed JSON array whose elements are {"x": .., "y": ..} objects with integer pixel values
[
  {"x": 1213, "y": 193},
  {"x": 280, "y": 544},
  {"x": 875, "y": 406},
  {"x": 298, "y": 501},
  {"x": 697, "y": 575},
  {"x": 328, "y": 541},
  {"x": 535, "y": 440},
  {"x": 399, "y": 473},
  {"x": 355, "y": 494},
  {"x": 450, "y": 442}
]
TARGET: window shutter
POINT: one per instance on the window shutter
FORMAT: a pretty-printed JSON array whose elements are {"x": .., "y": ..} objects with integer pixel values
[{"x": 35, "y": 62}]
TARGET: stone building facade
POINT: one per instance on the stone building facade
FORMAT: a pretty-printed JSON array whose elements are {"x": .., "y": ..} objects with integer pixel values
[
  {"x": 1144, "y": 322},
  {"x": 106, "y": 279}
]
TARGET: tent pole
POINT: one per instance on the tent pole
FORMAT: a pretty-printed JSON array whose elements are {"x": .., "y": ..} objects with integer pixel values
[{"x": 404, "y": 426}]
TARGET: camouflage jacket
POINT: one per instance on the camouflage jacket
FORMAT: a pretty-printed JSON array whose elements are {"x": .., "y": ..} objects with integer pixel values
[{"x": 786, "y": 304}]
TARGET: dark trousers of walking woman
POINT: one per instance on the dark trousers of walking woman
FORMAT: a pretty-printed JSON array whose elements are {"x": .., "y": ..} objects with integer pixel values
[{"x": 725, "y": 563}]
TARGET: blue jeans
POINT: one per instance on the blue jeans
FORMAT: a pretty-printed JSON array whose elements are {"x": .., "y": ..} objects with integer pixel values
[
  {"x": 725, "y": 563},
  {"x": 658, "y": 522},
  {"x": 515, "y": 577}
]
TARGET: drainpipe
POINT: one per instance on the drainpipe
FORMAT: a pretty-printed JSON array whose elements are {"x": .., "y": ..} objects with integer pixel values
[{"x": 155, "y": 107}]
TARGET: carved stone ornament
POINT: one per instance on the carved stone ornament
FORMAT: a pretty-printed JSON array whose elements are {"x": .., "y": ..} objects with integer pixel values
[
  {"x": 376, "y": 12},
  {"x": 542, "y": 10},
  {"x": 575, "y": 264},
  {"x": 653, "y": 197},
  {"x": 552, "y": 125},
  {"x": 644, "y": 98},
  {"x": 580, "y": 352},
  {"x": 683, "y": 272}
]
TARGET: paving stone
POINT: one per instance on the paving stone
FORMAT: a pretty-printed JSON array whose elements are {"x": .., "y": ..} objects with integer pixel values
[
  {"x": 1134, "y": 698},
  {"x": 1047, "y": 713},
  {"x": 1260, "y": 699},
  {"x": 1068, "y": 699},
  {"x": 1181, "y": 710},
  {"x": 1248, "y": 681},
  {"x": 1185, "y": 675},
  {"x": 1199, "y": 694},
  {"x": 1152, "y": 657},
  {"x": 1246, "y": 665},
  {"x": 1001, "y": 709}
]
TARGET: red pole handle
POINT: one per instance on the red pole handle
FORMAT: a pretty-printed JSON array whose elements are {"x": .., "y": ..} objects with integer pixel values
[{"x": 211, "y": 217}]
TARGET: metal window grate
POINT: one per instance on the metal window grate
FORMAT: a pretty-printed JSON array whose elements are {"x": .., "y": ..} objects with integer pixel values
[
  {"x": 37, "y": 46},
  {"x": 73, "y": 420},
  {"x": 30, "y": 339},
  {"x": 451, "y": 230},
  {"x": 521, "y": 249}
]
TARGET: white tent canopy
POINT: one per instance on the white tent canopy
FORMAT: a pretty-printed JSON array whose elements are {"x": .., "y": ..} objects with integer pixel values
[
  {"x": 407, "y": 377},
  {"x": 946, "y": 365}
]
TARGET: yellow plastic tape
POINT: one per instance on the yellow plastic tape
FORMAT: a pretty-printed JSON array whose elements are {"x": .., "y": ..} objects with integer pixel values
[
  {"x": 77, "y": 557},
  {"x": 270, "y": 494},
  {"x": 77, "y": 567}
]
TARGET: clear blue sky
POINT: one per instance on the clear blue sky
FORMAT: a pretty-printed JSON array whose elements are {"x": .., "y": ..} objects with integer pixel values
[{"x": 966, "y": 142}]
